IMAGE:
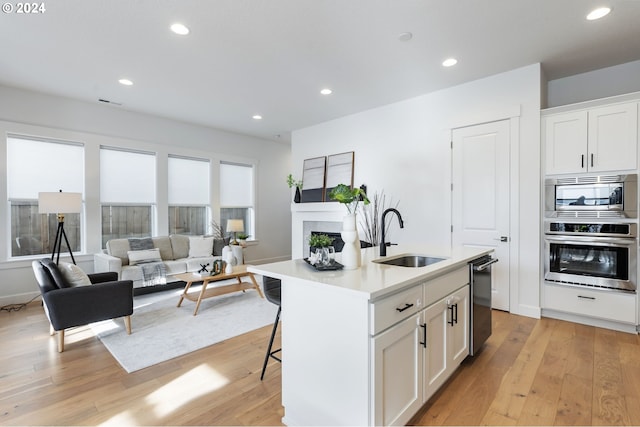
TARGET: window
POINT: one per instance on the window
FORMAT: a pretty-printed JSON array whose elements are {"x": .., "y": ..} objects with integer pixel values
[
  {"x": 188, "y": 195},
  {"x": 127, "y": 193},
  {"x": 41, "y": 165},
  {"x": 237, "y": 195}
]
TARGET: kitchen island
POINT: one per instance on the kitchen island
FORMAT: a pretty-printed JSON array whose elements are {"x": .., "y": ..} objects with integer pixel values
[{"x": 369, "y": 346}]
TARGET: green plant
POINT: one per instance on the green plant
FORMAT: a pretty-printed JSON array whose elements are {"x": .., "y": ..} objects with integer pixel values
[
  {"x": 348, "y": 196},
  {"x": 320, "y": 240},
  {"x": 293, "y": 183},
  {"x": 243, "y": 236}
]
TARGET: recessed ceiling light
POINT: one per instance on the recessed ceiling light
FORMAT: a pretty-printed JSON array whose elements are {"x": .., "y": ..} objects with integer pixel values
[
  {"x": 125, "y": 82},
  {"x": 450, "y": 62},
  {"x": 257, "y": 117},
  {"x": 180, "y": 29},
  {"x": 598, "y": 13},
  {"x": 405, "y": 36},
  {"x": 326, "y": 91}
]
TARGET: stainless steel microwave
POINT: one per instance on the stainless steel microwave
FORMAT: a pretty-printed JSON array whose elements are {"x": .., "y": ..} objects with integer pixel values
[{"x": 602, "y": 196}]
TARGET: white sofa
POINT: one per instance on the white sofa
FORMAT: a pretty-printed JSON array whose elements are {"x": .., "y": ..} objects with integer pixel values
[{"x": 176, "y": 252}]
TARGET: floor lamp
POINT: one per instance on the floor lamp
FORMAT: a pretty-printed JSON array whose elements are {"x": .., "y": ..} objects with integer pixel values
[{"x": 60, "y": 203}]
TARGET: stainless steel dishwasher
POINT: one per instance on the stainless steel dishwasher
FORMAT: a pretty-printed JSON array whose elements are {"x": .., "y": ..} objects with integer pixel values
[{"x": 480, "y": 316}]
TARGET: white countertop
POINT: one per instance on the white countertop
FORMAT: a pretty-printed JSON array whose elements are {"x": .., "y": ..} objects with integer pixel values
[{"x": 373, "y": 280}]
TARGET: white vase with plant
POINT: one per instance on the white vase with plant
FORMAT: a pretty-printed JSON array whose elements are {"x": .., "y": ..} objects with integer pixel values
[{"x": 351, "y": 198}]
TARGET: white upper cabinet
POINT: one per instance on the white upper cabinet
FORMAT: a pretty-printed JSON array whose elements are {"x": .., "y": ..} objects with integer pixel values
[{"x": 602, "y": 139}]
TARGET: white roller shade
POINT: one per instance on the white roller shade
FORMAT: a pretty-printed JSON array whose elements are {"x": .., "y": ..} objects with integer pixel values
[
  {"x": 188, "y": 181},
  {"x": 236, "y": 185},
  {"x": 127, "y": 177},
  {"x": 34, "y": 166}
]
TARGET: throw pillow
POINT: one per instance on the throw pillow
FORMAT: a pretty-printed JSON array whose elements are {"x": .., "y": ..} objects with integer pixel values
[
  {"x": 218, "y": 244},
  {"x": 73, "y": 274},
  {"x": 139, "y": 244},
  {"x": 200, "y": 246},
  {"x": 147, "y": 255}
]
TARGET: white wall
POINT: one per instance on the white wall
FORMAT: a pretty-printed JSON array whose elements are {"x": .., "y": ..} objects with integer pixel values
[
  {"x": 32, "y": 113},
  {"x": 404, "y": 149},
  {"x": 610, "y": 81}
]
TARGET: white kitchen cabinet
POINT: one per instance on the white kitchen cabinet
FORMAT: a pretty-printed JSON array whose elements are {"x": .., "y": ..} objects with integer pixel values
[
  {"x": 397, "y": 361},
  {"x": 447, "y": 344},
  {"x": 595, "y": 303},
  {"x": 601, "y": 139},
  {"x": 414, "y": 358}
]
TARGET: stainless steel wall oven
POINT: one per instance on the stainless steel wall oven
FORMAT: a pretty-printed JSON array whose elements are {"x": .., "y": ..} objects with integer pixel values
[{"x": 595, "y": 254}]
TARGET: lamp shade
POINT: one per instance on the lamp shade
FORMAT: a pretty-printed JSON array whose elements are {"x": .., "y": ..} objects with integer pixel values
[
  {"x": 235, "y": 225},
  {"x": 59, "y": 203}
]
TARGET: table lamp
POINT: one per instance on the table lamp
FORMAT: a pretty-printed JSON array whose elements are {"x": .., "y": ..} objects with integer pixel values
[{"x": 235, "y": 226}]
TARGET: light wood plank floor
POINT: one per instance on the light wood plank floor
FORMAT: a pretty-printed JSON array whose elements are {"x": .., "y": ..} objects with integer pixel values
[{"x": 530, "y": 372}]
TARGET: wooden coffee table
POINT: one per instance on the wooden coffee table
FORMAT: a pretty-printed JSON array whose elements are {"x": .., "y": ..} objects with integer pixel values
[{"x": 238, "y": 273}]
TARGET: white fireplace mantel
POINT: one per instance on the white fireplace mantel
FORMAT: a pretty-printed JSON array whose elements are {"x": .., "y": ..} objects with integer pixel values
[{"x": 310, "y": 212}]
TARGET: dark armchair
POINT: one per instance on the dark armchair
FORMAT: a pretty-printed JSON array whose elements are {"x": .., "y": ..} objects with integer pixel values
[{"x": 68, "y": 306}]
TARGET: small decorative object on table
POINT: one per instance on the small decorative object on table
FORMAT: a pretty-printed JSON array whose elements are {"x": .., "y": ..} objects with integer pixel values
[
  {"x": 203, "y": 268},
  {"x": 350, "y": 197},
  {"x": 295, "y": 183}
]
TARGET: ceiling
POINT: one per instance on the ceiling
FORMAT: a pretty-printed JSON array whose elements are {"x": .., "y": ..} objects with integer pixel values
[{"x": 272, "y": 58}]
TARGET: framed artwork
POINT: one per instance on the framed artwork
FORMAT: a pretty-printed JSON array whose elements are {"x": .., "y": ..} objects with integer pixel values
[
  {"x": 313, "y": 174},
  {"x": 339, "y": 171}
]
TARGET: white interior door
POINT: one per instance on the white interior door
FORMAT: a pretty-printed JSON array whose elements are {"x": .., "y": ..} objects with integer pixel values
[{"x": 480, "y": 197}]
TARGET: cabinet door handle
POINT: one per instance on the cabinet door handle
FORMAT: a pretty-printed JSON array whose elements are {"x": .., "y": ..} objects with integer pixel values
[
  {"x": 406, "y": 306},
  {"x": 424, "y": 335},
  {"x": 591, "y": 159},
  {"x": 456, "y": 312},
  {"x": 584, "y": 297},
  {"x": 582, "y": 161},
  {"x": 451, "y": 315}
]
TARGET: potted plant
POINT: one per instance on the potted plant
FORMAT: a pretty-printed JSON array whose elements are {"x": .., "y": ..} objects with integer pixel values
[
  {"x": 348, "y": 196},
  {"x": 242, "y": 238},
  {"x": 295, "y": 183},
  {"x": 319, "y": 241},
  {"x": 321, "y": 249},
  {"x": 351, "y": 198}
]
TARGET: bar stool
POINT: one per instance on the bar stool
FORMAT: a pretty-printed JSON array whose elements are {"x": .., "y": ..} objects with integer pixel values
[{"x": 272, "y": 293}]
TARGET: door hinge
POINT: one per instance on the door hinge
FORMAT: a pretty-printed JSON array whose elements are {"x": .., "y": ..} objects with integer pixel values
[
  {"x": 452, "y": 228},
  {"x": 452, "y": 145},
  {"x": 452, "y": 186}
]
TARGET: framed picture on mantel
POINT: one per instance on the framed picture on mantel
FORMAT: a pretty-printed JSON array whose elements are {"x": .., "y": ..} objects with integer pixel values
[
  {"x": 313, "y": 180},
  {"x": 339, "y": 171}
]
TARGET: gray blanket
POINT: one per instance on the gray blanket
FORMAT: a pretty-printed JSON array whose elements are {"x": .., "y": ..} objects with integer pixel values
[{"x": 153, "y": 273}]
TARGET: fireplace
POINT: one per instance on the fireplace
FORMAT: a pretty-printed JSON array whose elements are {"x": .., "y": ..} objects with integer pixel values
[
  {"x": 316, "y": 218},
  {"x": 306, "y": 218}
]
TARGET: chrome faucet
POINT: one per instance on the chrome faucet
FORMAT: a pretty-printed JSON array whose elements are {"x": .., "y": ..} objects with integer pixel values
[{"x": 383, "y": 245}]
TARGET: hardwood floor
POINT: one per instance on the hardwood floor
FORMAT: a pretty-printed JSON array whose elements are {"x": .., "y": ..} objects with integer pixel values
[{"x": 530, "y": 372}]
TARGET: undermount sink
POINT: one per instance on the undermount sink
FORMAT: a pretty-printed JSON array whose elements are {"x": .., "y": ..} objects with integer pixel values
[{"x": 410, "y": 260}]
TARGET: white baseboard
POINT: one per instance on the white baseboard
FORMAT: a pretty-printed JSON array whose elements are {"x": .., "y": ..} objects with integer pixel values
[
  {"x": 591, "y": 321},
  {"x": 19, "y": 298}
]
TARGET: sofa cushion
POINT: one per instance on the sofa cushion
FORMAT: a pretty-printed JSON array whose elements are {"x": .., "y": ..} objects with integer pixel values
[
  {"x": 147, "y": 255},
  {"x": 180, "y": 245},
  {"x": 74, "y": 274},
  {"x": 200, "y": 246},
  {"x": 164, "y": 244},
  {"x": 175, "y": 267},
  {"x": 119, "y": 248}
]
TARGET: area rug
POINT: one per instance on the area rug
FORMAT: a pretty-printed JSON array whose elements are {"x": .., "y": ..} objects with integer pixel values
[{"x": 161, "y": 331}]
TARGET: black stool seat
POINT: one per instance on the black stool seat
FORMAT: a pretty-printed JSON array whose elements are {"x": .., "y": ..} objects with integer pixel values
[{"x": 272, "y": 288}]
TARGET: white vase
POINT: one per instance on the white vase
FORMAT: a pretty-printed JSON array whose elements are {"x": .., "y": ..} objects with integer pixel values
[{"x": 351, "y": 250}]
